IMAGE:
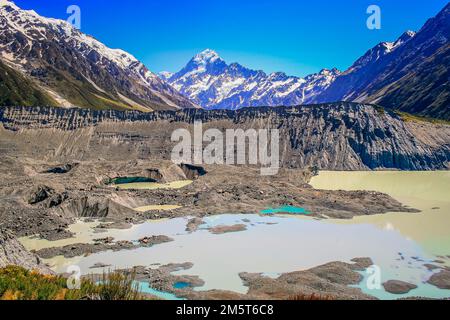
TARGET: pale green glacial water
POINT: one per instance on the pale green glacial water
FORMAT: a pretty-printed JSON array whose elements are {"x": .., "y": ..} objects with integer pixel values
[{"x": 400, "y": 243}]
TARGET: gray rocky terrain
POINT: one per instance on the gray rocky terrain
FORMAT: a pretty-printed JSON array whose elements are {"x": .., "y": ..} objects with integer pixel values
[{"x": 59, "y": 165}]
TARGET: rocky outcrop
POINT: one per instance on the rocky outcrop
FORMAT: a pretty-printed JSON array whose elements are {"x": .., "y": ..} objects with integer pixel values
[
  {"x": 62, "y": 169},
  {"x": 193, "y": 224},
  {"x": 192, "y": 172},
  {"x": 398, "y": 287},
  {"x": 94, "y": 207},
  {"x": 154, "y": 240},
  {"x": 340, "y": 136},
  {"x": 100, "y": 245},
  {"x": 13, "y": 253},
  {"x": 228, "y": 229},
  {"x": 330, "y": 281},
  {"x": 441, "y": 279},
  {"x": 39, "y": 194}
]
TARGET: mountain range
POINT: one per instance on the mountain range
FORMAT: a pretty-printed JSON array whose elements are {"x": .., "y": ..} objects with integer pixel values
[
  {"x": 213, "y": 84},
  {"x": 410, "y": 74},
  {"x": 48, "y": 62}
]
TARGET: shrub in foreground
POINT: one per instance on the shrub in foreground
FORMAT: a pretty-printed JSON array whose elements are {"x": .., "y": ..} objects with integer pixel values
[{"x": 17, "y": 283}]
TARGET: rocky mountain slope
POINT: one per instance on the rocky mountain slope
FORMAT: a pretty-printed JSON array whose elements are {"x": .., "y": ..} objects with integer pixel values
[
  {"x": 411, "y": 74},
  {"x": 213, "y": 84},
  {"x": 74, "y": 69},
  {"x": 17, "y": 90},
  {"x": 340, "y": 136}
]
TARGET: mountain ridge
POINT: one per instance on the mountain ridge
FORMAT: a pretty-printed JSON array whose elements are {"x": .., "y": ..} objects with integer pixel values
[
  {"x": 75, "y": 68},
  {"x": 412, "y": 78}
]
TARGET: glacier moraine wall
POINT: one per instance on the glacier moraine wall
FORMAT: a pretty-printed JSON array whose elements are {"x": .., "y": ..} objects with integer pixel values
[{"x": 339, "y": 136}]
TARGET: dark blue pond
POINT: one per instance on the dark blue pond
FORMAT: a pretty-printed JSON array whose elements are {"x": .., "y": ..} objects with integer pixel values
[{"x": 125, "y": 180}]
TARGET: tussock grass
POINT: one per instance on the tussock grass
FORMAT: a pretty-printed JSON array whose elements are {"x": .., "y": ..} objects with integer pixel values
[
  {"x": 17, "y": 283},
  {"x": 407, "y": 117},
  {"x": 309, "y": 297}
]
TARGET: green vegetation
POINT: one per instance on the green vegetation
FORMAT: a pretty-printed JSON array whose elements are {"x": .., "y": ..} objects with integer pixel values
[
  {"x": 415, "y": 118},
  {"x": 309, "y": 297},
  {"x": 16, "y": 90},
  {"x": 76, "y": 89},
  {"x": 17, "y": 283}
]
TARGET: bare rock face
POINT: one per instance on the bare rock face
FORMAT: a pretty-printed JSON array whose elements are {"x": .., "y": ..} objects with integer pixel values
[
  {"x": 192, "y": 172},
  {"x": 94, "y": 207},
  {"x": 398, "y": 287},
  {"x": 13, "y": 253},
  {"x": 62, "y": 169},
  {"x": 39, "y": 194},
  {"x": 166, "y": 173}
]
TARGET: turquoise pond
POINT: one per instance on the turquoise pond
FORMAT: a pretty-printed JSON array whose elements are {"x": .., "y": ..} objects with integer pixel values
[
  {"x": 286, "y": 209},
  {"x": 181, "y": 285},
  {"x": 144, "y": 287}
]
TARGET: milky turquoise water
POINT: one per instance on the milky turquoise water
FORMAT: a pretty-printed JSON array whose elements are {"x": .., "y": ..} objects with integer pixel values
[
  {"x": 286, "y": 210},
  {"x": 144, "y": 287},
  {"x": 399, "y": 243},
  {"x": 428, "y": 230}
]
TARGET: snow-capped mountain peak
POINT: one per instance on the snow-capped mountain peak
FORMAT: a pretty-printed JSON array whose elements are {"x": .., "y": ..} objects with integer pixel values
[
  {"x": 206, "y": 56},
  {"x": 406, "y": 36},
  {"x": 165, "y": 75},
  {"x": 381, "y": 50},
  {"x": 36, "y": 45},
  {"x": 213, "y": 84},
  {"x": 33, "y": 26}
]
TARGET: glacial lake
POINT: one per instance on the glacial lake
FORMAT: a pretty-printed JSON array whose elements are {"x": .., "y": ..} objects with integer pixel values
[{"x": 399, "y": 243}]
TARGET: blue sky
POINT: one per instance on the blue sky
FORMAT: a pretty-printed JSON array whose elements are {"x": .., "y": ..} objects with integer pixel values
[{"x": 295, "y": 36}]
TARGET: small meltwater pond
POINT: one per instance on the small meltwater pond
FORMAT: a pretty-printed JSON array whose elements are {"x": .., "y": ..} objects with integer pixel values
[
  {"x": 154, "y": 185},
  {"x": 286, "y": 210},
  {"x": 157, "y": 208},
  {"x": 399, "y": 243},
  {"x": 144, "y": 287}
]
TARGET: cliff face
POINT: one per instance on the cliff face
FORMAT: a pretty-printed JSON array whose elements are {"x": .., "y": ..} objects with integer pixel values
[
  {"x": 340, "y": 136},
  {"x": 13, "y": 253}
]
